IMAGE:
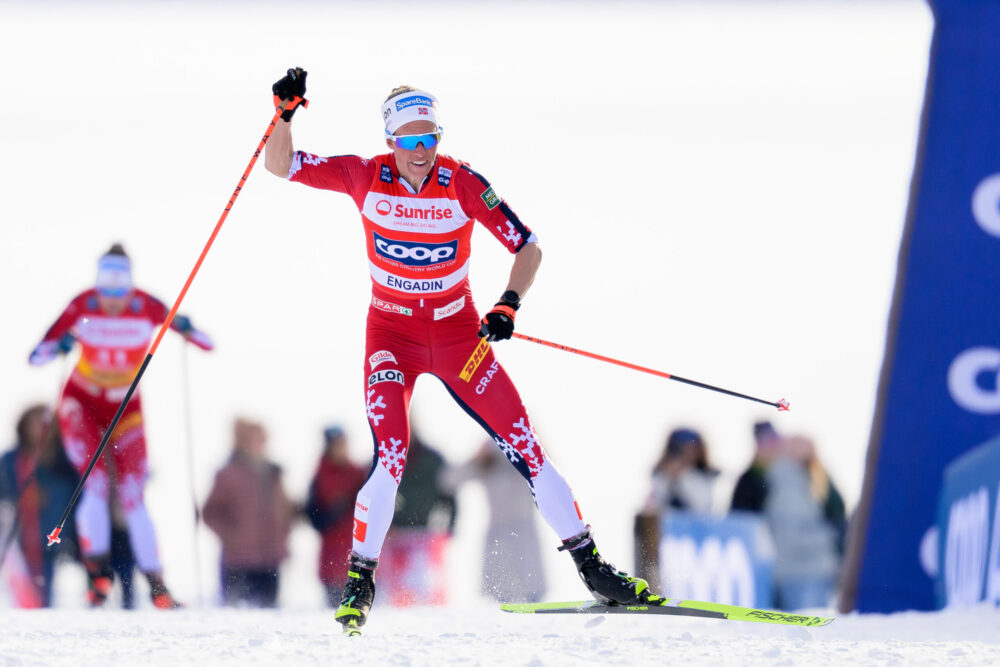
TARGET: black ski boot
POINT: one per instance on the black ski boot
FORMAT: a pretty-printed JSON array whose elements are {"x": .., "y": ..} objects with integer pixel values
[
  {"x": 602, "y": 578},
  {"x": 359, "y": 593}
]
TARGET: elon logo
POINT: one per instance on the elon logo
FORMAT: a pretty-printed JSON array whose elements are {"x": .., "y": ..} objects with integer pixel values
[{"x": 383, "y": 207}]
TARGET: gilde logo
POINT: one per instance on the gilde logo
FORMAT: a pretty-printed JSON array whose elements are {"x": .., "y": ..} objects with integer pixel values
[
  {"x": 414, "y": 254},
  {"x": 986, "y": 204},
  {"x": 383, "y": 207},
  {"x": 379, "y": 357},
  {"x": 966, "y": 377}
]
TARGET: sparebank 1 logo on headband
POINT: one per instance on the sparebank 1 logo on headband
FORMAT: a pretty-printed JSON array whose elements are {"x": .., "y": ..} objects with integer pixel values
[
  {"x": 415, "y": 99},
  {"x": 986, "y": 204}
]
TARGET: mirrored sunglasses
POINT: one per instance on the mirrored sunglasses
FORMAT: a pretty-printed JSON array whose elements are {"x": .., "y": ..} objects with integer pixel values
[{"x": 411, "y": 141}]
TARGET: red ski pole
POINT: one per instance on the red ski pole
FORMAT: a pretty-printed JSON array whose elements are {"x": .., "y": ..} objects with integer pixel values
[
  {"x": 782, "y": 405},
  {"x": 53, "y": 537}
]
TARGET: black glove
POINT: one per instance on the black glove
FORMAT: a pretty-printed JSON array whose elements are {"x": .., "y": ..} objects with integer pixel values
[
  {"x": 66, "y": 342},
  {"x": 498, "y": 324},
  {"x": 291, "y": 87}
]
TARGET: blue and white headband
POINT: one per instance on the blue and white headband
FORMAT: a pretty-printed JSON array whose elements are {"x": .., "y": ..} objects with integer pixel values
[
  {"x": 114, "y": 275},
  {"x": 408, "y": 107}
]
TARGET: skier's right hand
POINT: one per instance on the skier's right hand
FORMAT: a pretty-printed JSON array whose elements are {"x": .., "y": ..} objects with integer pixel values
[
  {"x": 290, "y": 89},
  {"x": 66, "y": 343}
]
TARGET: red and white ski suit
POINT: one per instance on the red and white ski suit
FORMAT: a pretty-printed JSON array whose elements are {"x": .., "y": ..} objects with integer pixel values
[
  {"x": 112, "y": 350},
  {"x": 422, "y": 320}
]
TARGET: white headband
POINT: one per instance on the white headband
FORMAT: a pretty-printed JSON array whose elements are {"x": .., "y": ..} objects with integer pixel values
[
  {"x": 114, "y": 274},
  {"x": 408, "y": 107}
]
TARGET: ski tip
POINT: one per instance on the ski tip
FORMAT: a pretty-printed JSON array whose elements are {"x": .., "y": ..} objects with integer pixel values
[{"x": 782, "y": 405}]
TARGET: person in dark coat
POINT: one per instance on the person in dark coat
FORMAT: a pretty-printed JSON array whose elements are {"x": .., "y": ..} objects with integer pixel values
[
  {"x": 39, "y": 480},
  {"x": 330, "y": 508}
]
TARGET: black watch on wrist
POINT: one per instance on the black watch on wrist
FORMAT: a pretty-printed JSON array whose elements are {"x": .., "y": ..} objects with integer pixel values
[{"x": 511, "y": 298}]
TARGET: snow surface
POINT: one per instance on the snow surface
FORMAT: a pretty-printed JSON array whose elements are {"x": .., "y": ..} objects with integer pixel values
[
  {"x": 482, "y": 635},
  {"x": 719, "y": 189}
]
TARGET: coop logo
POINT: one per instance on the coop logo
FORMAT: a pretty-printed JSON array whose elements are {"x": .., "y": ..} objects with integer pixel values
[
  {"x": 414, "y": 254},
  {"x": 385, "y": 376},
  {"x": 986, "y": 204},
  {"x": 974, "y": 380},
  {"x": 383, "y": 207},
  {"x": 379, "y": 357}
]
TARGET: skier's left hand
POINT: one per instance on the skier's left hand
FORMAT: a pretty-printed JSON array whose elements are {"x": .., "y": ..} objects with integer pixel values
[
  {"x": 498, "y": 324},
  {"x": 291, "y": 89}
]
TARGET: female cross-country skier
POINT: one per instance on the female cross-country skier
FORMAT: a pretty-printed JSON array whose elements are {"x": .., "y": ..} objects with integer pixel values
[
  {"x": 418, "y": 207},
  {"x": 113, "y": 322}
]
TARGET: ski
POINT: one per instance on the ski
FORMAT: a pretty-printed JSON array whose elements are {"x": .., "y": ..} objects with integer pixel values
[{"x": 671, "y": 608}]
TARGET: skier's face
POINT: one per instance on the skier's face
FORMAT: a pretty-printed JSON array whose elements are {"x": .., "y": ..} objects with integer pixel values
[
  {"x": 414, "y": 165},
  {"x": 112, "y": 305}
]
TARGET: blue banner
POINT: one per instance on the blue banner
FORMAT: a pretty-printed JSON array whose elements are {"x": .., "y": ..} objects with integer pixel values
[
  {"x": 939, "y": 393},
  {"x": 727, "y": 560},
  {"x": 969, "y": 527}
]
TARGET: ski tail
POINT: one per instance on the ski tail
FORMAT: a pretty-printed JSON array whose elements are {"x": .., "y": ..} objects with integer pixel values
[{"x": 672, "y": 608}]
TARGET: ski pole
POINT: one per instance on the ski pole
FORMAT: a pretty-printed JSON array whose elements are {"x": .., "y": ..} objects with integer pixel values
[
  {"x": 782, "y": 405},
  {"x": 53, "y": 537}
]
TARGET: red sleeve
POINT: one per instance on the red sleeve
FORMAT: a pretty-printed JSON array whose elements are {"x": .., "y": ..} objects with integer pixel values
[
  {"x": 66, "y": 320},
  {"x": 48, "y": 348},
  {"x": 349, "y": 174},
  {"x": 480, "y": 201}
]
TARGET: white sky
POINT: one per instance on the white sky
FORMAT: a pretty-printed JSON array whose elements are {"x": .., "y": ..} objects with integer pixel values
[{"x": 719, "y": 190}]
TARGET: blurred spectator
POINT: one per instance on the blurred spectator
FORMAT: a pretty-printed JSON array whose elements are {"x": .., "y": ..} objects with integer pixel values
[
  {"x": 751, "y": 488},
  {"x": 248, "y": 510},
  {"x": 512, "y": 555},
  {"x": 330, "y": 508},
  {"x": 804, "y": 512},
  {"x": 422, "y": 500},
  {"x": 39, "y": 480},
  {"x": 682, "y": 478},
  {"x": 413, "y": 563}
]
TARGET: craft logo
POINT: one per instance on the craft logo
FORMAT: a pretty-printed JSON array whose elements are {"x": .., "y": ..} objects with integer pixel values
[
  {"x": 484, "y": 381},
  {"x": 390, "y": 375},
  {"x": 477, "y": 358},
  {"x": 490, "y": 198},
  {"x": 450, "y": 309},
  {"x": 414, "y": 99},
  {"x": 383, "y": 207},
  {"x": 386, "y": 174},
  {"x": 391, "y": 307},
  {"x": 379, "y": 357},
  {"x": 414, "y": 254}
]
